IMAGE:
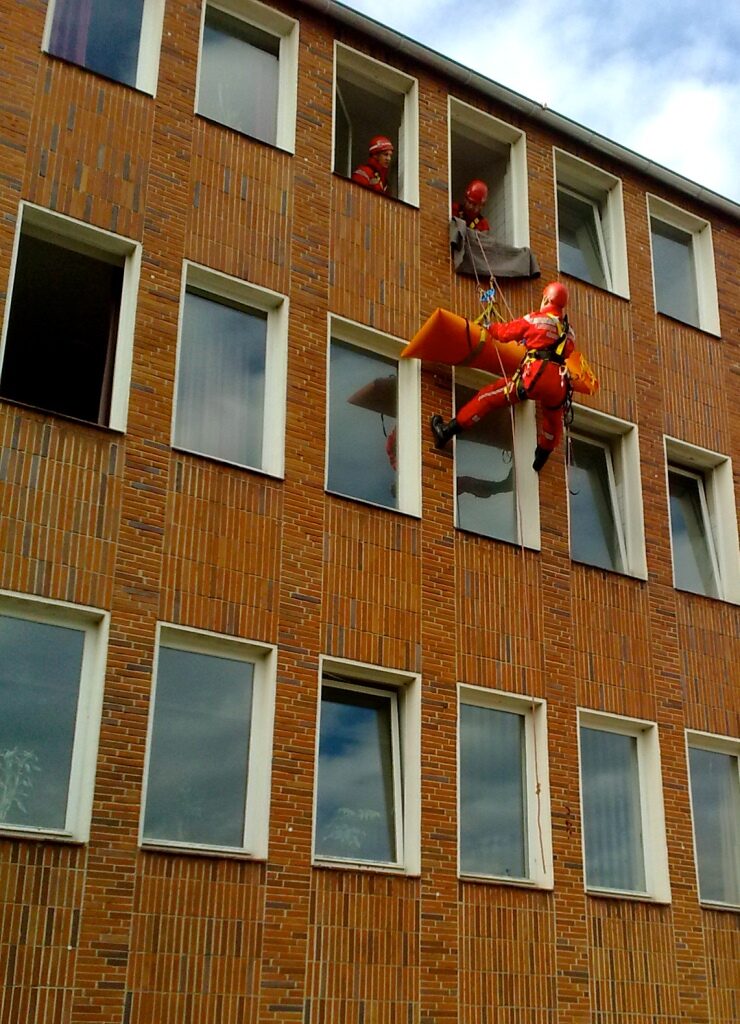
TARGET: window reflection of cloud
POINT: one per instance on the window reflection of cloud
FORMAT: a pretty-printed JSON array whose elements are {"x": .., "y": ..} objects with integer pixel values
[{"x": 485, "y": 453}]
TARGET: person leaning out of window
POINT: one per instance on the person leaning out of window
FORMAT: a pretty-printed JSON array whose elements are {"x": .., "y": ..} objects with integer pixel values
[
  {"x": 373, "y": 174},
  {"x": 471, "y": 208}
]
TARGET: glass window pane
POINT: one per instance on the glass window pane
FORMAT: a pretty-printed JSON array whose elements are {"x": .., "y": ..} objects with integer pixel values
[
  {"x": 612, "y": 822},
  {"x": 593, "y": 525},
  {"x": 715, "y": 795},
  {"x": 674, "y": 272},
  {"x": 693, "y": 567},
  {"x": 40, "y": 668},
  {"x": 197, "y": 781},
  {"x": 221, "y": 381},
  {"x": 493, "y": 806},
  {"x": 355, "y": 813},
  {"x": 239, "y": 76},
  {"x": 579, "y": 247},
  {"x": 363, "y": 409},
  {"x": 102, "y": 35},
  {"x": 484, "y": 474}
]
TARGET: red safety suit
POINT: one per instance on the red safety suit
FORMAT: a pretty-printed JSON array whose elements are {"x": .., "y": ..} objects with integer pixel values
[
  {"x": 372, "y": 175},
  {"x": 542, "y": 375},
  {"x": 478, "y": 222}
]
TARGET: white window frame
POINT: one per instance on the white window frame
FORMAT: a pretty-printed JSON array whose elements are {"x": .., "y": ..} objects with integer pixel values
[
  {"x": 286, "y": 30},
  {"x": 525, "y": 440},
  {"x": 263, "y": 658},
  {"x": 652, "y": 813},
  {"x": 276, "y": 306},
  {"x": 406, "y": 687},
  {"x": 621, "y": 440},
  {"x": 92, "y": 241},
  {"x": 409, "y": 408},
  {"x": 703, "y": 253},
  {"x": 537, "y": 781},
  {"x": 720, "y": 745},
  {"x": 150, "y": 42},
  {"x": 477, "y": 123},
  {"x": 95, "y": 624},
  {"x": 603, "y": 191},
  {"x": 349, "y": 61},
  {"x": 715, "y": 474}
]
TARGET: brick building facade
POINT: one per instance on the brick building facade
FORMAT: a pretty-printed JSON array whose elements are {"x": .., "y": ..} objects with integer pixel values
[{"x": 122, "y": 551}]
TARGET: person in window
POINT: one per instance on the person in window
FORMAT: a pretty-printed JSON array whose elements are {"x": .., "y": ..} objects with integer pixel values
[
  {"x": 471, "y": 208},
  {"x": 374, "y": 173},
  {"x": 542, "y": 375}
]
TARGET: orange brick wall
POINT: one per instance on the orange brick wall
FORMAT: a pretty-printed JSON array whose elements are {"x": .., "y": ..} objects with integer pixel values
[{"x": 108, "y": 933}]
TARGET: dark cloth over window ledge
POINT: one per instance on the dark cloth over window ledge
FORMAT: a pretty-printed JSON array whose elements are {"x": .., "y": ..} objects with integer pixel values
[{"x": 478, "y": 253}]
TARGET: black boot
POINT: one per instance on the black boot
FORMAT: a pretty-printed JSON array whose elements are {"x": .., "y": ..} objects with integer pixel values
[
  {"x": 443, "y": 432},
  {"x": 541, "y": 455}
]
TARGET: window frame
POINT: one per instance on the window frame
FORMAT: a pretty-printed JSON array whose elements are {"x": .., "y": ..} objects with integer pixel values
[
  {"x": 263, "y": 658},
  {"x": 652, "y": 812},
  {"x": 406, "y": 687},
  {"x": 538, "y": 824},
  {"x": 277, "y": 308},
  {"x": 603, "y": 191},
  {"x": 702, "y": 248},
  {"x": 716, "y": 475},
  {"x": 95, "y": 624},
  {"x": 150, "y": 43},
  {"x": 714, "y": 743},
  {"x": 286, "y": 30},
  {"x": 621, "y": 439},
  {"x": 409, "y": 410},
  {"x": 347, "y": 61}
]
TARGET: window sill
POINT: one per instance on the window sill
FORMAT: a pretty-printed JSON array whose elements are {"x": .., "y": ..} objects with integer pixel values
[
  {"x": 515, "y": 544},
  {"x": 239, "y": 467},
  {"x": 630, "y": 897},
  {"x": 99, "y": 74},
  {"x": 373, "y": 505},
  {"x": 383, "y": 195},
  {"x": 705, "y": 597},
  {"x": 597, "y": 287},
  {"x": 610, "y": 572},
  {"x": 364, "y": 867},
  {"x": 101, "y": 428},
  {"x": 274, "y": 146},
  {"x": 39, "y": 836},
  {"x": 515, "y": 883},
  {"x": 723, "y": 908},
  {"x": 148, "y": 846},
  {"x": 692, "y": 327}
]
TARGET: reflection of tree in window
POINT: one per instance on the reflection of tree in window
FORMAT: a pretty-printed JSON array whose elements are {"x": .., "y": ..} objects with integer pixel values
[
  {"x": 694, "y": 561},
  {"x": 363, "y": 410},
  {"x": 594, "y": 537},
  {"x": 101, "y": 35}
]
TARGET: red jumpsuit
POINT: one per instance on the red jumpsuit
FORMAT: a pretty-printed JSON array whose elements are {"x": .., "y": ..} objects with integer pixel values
[
  {"x": 478, "y": 223},
  {"x": 542, "y": 375},
  {"x": 372, "y": 175}
]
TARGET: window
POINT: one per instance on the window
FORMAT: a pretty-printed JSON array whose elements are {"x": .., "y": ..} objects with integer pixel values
[
  {"x": 69, "y": 327},
  {"x": 373, "y": 419},
  {"x": 605, "y": 494},
  {"x": 495, "y": 487},
  {"x": 370, "y": 99},
  {"x": 703, "y": 522},
  {"x": 118, "y": 40},
  {"x": 591, "y": 234},
  {"x": 52, "y": 664},
  {"x": 483, "y": 147},
  {"x": 231, "y": 372},
  {"x": 367, "y": 783},
  {"x": 622, "y": 807},
  {"x": 210, "y": 744},
  {"x": 714, "y": 775},
  {"x": 683, "y": 266},
  {"x": 248, "y": 70},
  {"x": 504, "y": 811}
]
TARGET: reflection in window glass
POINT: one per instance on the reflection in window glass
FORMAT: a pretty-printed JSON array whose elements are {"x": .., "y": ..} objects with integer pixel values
[
  {"x": 221, "y": 381},
  {"x": 674, "y": 272},
  {"x": 239, "y": 76},
  {"x": 493, "y": 838},
  {"x": 580, "y": 251},
  {"x": 363, "y": 410},
  {"x": 484, "y": 475},
  {"x": 693, "y": 560},
  {"x": 612, "y": 824},
  {"x": 40, "y": 666},
  {"x": 715, "y": 795},
  {"x": 593, "y": 516},
  {"x": 355, "y": 809},
  {"x": 101, "y": 35},
  {"x": 197, "y": 780}
]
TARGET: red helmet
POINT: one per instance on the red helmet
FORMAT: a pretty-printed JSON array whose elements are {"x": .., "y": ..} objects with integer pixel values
[
  {"x": 380, "y": 144},
  {"x": 555, "y": 294},
  {"x": 477, "y": 191}
]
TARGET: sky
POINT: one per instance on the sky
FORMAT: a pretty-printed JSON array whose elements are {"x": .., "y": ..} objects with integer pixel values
[{"x": 661, "y": 78}]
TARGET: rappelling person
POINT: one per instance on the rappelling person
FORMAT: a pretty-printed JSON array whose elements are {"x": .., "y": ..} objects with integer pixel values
[
  {"x": 471, "y": 208},
  {"x": 542, "y": 375},
  {"x": 374, "y": 173}
]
